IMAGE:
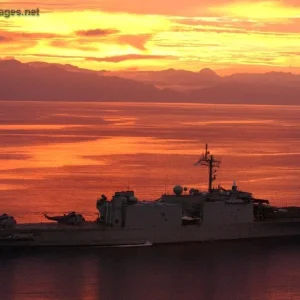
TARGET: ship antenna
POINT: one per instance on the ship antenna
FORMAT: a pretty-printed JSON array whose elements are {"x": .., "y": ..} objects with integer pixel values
[
  {"x": 209, "y": 161},
  {"x": 128, "y": 184},
  {"x": 166, "y": 183}
]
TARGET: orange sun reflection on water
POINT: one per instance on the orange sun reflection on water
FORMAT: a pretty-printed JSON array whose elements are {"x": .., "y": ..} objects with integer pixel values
[
  {"x": 77, "y": 154},
  {"x": 62, "y": 166}
]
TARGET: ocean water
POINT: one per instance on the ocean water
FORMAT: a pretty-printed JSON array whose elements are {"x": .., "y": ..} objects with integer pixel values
[
  {"x": 243, "y": 270},
  {"x": 59, "y": 156}
]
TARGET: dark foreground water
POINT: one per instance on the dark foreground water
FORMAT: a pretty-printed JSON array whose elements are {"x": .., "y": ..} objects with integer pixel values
[{"x": 246, "y": 270}]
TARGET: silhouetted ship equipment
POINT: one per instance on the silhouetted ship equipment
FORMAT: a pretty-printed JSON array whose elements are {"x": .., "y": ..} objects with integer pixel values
[
  {"x": 71, "y": 218},
  {"x": 185, "y": 216}
]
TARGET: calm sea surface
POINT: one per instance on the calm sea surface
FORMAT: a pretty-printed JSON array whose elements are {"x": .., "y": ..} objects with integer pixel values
[
  {"x": 59, "y": 157},
  {"x": 210, "y": 271}
]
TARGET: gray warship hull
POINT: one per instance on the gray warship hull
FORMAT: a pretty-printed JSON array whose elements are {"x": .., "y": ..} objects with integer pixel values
[
  {"x": 93, "y": 234},
  {"x": 218, "y": 214}
]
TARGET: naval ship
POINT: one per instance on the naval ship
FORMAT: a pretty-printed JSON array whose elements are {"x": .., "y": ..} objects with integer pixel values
[{"x": 188, "y": 215}]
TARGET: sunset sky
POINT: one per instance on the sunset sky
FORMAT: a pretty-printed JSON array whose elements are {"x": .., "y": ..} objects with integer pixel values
[{"x": 225, "y": 35}]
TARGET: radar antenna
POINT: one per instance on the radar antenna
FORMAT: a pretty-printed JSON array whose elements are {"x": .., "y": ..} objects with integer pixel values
[{"x": 209, "y": 160}]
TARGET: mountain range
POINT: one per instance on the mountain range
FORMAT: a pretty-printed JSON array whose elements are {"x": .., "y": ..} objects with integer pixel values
[{"x": 56, "y": 82}]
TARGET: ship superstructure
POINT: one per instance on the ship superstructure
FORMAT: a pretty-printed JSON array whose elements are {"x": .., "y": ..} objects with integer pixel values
[{"x": 187, "y": 215}]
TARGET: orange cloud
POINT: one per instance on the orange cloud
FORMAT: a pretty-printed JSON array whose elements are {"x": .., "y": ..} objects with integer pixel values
[
  {"x": 159, "y": 7},
  {"x": 258, "y": 9},
  {"x": 114, "y": 59},
  {"x": 18, "y": 35},
  {"x": 72, "y": 44},
  {"x": 58, "y": 56},
  {"x": 188, "y": 34},
  {"x": 292, "y": 53},
  {"x": 5, "y": 39},
  {"x": 155, "y": 7},
  {"x": 96, "y": 32},
  {"x": 137, "y": 41},
  {"x": 120, "y": 58},
  {"x": 234, "y": 25},
  {"x": 11, "y": 41}
]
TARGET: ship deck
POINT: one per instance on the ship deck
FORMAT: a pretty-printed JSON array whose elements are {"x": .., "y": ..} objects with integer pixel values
[
  {"x": 28, "y": 227},
  {"x": 90, "y": 226}
]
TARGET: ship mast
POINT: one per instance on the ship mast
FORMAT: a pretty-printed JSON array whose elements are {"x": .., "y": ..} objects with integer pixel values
[{"x": 209, "y": 160}]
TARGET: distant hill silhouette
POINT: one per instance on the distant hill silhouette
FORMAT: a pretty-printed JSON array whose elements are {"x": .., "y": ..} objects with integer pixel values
[
  {"x": 286, "y": 79},
  {"x": 56, "y": 82},
  {"x": 250, "y": 93},
  {"x": 176, "y": 79}
]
